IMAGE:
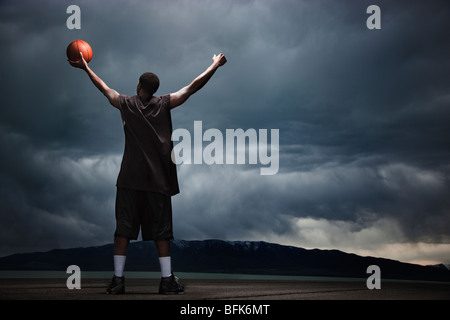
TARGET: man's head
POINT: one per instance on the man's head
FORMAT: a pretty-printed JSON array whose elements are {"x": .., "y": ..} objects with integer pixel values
[{"x": 148, "y": 83}]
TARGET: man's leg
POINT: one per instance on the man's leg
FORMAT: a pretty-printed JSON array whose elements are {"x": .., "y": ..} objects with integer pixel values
[
  {"x": 117, "y": 285},
  {"x": 120, "y": 255},
  {"x": 121, "y": 246},
  {"x": 163, "y": 248},
  {"x": 169, "y": 283}
]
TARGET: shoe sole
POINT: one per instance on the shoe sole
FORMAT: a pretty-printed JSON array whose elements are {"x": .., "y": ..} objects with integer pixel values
[
  {"x": 171, "y": 293},
  {"x": 114, "y": 293}
]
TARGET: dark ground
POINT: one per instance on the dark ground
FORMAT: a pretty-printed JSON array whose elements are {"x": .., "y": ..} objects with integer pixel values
[{"x": 211, "y": 289}]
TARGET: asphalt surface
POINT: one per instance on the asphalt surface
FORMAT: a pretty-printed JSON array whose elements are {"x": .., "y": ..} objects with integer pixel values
[{"x": 210, "y": 289}]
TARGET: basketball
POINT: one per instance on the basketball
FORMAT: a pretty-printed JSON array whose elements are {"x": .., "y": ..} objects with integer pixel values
[{"x": 77, "y": 46}]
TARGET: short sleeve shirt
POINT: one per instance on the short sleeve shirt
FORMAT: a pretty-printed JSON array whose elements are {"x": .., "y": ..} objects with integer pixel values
[{"x": 147, "y": 163}]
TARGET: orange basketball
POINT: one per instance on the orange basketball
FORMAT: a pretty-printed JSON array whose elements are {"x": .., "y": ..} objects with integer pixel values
[{"x": 77, "y": 46}]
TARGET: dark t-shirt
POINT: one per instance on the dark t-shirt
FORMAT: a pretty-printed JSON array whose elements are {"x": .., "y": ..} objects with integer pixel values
[{"x": 147, "y": 163}]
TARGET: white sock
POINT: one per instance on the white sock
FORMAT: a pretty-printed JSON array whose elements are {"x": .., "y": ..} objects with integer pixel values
[
  {"x": 166, "y": 268},
  {"x": 119, "y": 265}
]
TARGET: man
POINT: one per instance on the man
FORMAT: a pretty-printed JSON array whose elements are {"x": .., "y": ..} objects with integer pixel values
[{"x": 147, "y": 177}]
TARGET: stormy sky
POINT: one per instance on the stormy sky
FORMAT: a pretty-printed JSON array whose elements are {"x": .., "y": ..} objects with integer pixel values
[{"x": 362, "y": 118}]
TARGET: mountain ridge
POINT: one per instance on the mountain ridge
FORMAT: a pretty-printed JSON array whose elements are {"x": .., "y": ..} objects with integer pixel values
[{"x": 218, "y": 256}]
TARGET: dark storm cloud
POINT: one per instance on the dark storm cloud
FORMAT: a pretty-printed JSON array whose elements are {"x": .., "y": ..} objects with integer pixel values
[
  {"x": 53, "y": 198},
  {"x": 361, "y": 113}
]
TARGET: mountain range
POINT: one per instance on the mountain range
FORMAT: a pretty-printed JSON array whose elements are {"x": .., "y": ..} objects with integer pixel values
[{"x": 217, "y": 256}]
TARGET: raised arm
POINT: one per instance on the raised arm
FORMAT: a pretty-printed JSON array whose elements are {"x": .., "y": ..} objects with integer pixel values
[
  {"x": 111, "y": 94},
  {"x": 179, "y": 97}
]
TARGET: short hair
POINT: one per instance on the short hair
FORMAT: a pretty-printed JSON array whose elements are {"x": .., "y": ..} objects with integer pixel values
[{"x": 149, "y": 82}]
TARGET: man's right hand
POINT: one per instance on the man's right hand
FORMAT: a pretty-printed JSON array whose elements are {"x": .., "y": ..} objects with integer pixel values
[{"x": 219, "y": 59}]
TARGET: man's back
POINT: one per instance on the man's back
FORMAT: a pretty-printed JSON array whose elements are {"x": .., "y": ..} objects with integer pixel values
[{"x": 147, "y": 163}]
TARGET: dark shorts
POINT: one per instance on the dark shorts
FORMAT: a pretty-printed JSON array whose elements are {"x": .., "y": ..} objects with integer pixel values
[{"x": 150, "y": 212}]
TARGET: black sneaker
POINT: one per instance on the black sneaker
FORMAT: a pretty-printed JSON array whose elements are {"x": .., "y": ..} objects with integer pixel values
[
  {"x": 117, "y": 286},
  {"x": 170, "y": 285}
]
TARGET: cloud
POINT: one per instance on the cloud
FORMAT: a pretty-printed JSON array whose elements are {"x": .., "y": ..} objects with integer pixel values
[
  {"x": 373, "y": 210},
  {"x": 382, "y": 238},
  {"x": 54, "y": 199},
  {"x": 347, "y": 193}
]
